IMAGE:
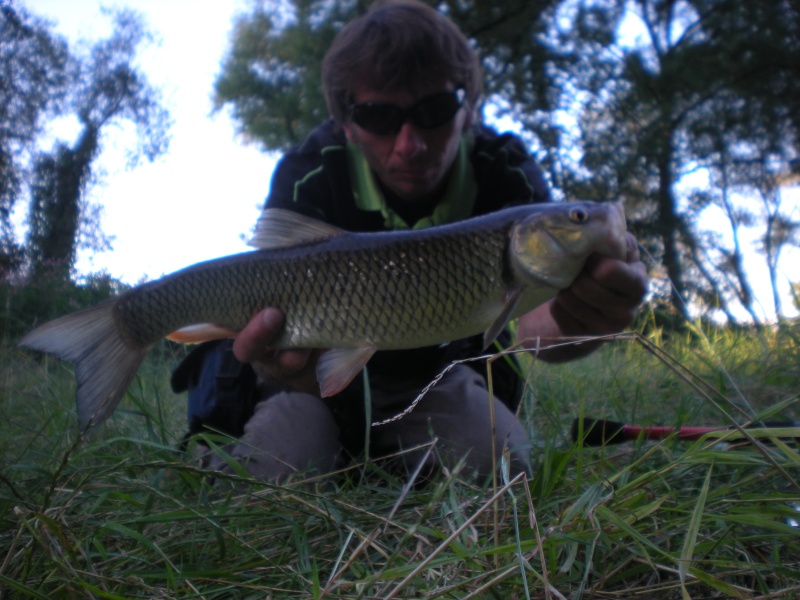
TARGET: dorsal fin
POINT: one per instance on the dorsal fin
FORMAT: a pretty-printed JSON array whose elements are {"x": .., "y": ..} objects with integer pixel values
[{"x": 282, "y": 228}]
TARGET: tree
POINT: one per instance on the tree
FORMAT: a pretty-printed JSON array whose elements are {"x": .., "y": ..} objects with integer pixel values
[
  {"x": 272, "y": 75},
  {"x": 43, "y": 79},
  {"x": 59, "y": 179},
  {"x": 108, "y": 89},
  {"x": 781, "y": 231},
  {"x": 35, "y": 67},
  {"x": 706, "y": 89}
]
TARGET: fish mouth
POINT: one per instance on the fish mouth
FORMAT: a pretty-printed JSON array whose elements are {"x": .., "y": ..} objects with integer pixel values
[
  {"x": 608, "y": 216},
  {"x": 617, "y": 240},
  {"x": 552, "y": 251},
  {"x": 613, "y": 242}
]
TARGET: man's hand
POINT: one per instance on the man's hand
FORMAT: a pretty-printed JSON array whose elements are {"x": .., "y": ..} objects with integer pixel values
[
  {"x": 604, "y": 299},
  {"x": 293, "y": 368}
]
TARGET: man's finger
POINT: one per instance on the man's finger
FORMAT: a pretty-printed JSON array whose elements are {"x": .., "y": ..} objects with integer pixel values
[{"x": 253, "y": 341}]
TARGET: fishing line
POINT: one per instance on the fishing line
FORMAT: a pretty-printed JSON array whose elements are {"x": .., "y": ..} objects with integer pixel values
[
  {"x": 513, "y": 350},
  {"x": 424, "y": 391}
]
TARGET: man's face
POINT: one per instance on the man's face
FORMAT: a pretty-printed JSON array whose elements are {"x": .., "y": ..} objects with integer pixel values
[{"x": 413, "y": 163}]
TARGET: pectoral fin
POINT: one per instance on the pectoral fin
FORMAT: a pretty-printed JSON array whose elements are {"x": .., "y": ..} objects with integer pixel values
[
  {"x": 336, "y": 368},
  {"x": 201, "y": 332},
  {"x": 511, "y": 301}
]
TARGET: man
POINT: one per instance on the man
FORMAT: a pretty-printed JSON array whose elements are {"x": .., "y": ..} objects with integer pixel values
[{"x": 403, "y": 149}]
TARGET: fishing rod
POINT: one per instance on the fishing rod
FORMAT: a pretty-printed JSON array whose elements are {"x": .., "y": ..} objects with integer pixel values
[{"x": 601, "y": 432}]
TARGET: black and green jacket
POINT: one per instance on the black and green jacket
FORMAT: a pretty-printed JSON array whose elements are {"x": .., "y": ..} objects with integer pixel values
[{"x": 328, "y": 179}]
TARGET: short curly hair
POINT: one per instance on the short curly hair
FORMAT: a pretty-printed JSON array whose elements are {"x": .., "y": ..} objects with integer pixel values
[{"x": 392, "y": 46}]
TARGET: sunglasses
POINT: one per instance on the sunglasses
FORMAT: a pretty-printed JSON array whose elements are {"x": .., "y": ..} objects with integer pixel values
[{"x": 383, "y": 118}]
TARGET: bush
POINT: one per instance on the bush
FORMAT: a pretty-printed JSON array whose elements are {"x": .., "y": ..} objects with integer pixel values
[{"x": 28, "y": 303}]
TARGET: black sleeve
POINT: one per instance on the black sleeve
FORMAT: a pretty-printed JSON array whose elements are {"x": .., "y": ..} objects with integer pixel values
[
  {"x": 314, "y": 179},
  {"x": 302, "y": 180},
  {"x": 285, "y": 188}
]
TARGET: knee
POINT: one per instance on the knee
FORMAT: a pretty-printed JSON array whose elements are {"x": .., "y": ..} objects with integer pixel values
[{"x": 289, "y": 433}]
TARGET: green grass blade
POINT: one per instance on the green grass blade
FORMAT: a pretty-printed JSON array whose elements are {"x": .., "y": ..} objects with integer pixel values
[
  {"x": 22, "y": 588},
  {"x": 689, "y": 542}
]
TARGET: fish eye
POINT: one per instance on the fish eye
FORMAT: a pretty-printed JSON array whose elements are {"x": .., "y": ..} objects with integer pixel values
[{"x": 578, "y": 215}]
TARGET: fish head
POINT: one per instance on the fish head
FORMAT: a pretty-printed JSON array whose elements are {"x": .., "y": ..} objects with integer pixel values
[{"x": 550, "y": 246}]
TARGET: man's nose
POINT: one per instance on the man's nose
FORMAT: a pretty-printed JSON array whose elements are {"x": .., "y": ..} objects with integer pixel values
[{"x": 409, "y": 141}]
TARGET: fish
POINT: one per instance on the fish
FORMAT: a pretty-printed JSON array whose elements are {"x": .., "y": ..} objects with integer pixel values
[{"x": 350, "y": 293}]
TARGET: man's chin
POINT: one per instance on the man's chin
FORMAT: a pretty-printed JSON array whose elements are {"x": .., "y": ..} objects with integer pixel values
[
  {"x": 414, "y": 196},
  {"x": 411, "y": 190}
]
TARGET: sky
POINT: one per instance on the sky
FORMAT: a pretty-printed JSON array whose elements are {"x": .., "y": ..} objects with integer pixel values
[{"x": 201, "y": 199}]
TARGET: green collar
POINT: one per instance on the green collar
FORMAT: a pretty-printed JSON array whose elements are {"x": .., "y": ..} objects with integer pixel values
[{"x": 456, "y": 203}]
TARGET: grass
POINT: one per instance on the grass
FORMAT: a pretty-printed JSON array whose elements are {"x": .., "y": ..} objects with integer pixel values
[{"x": 123, "y": 515}]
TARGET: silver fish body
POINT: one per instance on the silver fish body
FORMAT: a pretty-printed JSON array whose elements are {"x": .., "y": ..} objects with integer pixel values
[{"x": 352, "y": 292}]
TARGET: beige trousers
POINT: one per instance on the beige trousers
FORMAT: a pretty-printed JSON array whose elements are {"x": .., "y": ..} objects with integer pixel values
[{"x": 294, "y": 432}]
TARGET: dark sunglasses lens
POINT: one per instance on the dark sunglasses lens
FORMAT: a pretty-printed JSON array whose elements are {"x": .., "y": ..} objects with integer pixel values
[
  {"x": 380, "y": 119},
  {"x": 435, "y": 111},
  {"x": 387, "y": 119}
]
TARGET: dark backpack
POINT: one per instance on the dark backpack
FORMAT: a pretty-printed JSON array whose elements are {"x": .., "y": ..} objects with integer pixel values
[{"x": 222, "y": 390}]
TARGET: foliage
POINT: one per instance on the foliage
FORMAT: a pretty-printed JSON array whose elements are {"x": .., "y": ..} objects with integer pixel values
[
  {"x": 121, "y": 514},
  {"x": 34, "y": 64},
  {"x": 272, "y": 73},
  {"x": 59, "y": 182},
  {"x": 705, "y": 90},
  {"x": 691, "y": 120},
  {"x": 97, "y": 89},
  {"x": 49, "y": 296}
]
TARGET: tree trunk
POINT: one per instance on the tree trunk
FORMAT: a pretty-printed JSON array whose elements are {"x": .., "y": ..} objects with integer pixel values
[
  {"x": 669, "y": 225},
  {"x": 56, "y": 212}
]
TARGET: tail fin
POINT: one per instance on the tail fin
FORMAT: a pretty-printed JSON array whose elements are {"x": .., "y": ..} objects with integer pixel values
[{"x": 104, "y": 363}]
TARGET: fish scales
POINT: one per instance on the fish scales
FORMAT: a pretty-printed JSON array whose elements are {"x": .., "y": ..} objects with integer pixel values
[
  {"x": 393, "y": 296},
  {"x": 394, "y": 293},
  {"x": 350, "y": 293}
]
